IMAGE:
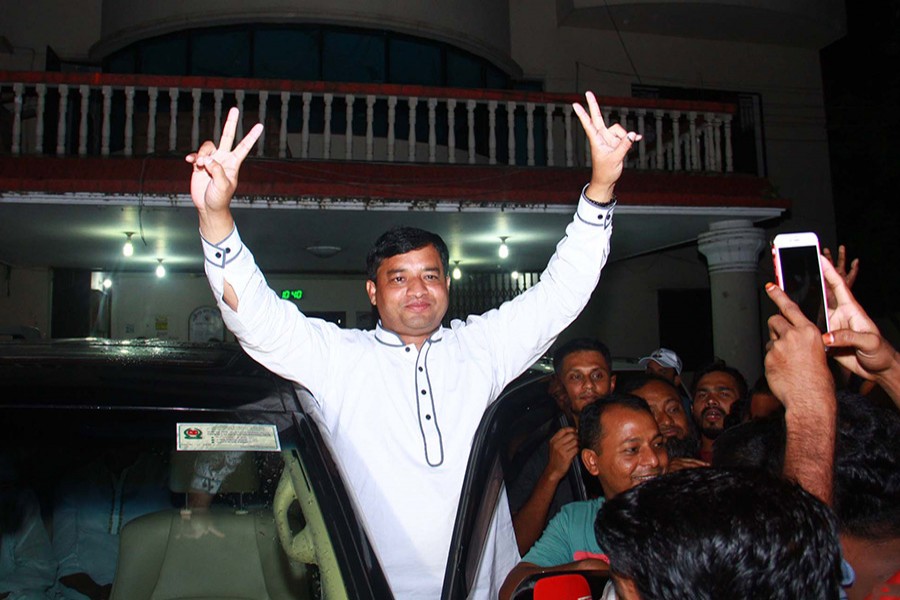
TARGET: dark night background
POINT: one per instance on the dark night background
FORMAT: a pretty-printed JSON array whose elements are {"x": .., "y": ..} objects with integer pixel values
[{"x": 862, "y": 101}]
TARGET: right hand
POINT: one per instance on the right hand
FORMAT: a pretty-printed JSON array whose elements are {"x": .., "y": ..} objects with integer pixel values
[
  {"x": 215, "y": 173},
  {"x": 563, "y": 449}
]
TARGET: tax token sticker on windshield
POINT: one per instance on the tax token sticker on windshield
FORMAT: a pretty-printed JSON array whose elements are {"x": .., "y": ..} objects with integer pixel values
[{"x": 228, "y": 436}]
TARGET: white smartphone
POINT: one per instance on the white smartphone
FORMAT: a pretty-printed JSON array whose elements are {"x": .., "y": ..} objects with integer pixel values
[{"x": 799, "y": 273}]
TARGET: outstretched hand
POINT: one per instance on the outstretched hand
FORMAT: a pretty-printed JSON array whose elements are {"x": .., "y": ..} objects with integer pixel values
[
  {"x": 215, "y": 176},
  {"x": 840, "y": 266},
  {"x": 609, "y": 145}
]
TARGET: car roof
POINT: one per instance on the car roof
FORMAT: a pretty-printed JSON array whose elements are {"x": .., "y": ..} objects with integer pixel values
[{"x": 141, "y": 373}]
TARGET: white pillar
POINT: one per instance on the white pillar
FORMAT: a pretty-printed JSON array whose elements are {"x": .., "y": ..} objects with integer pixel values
[{"x": 732, "y": 252}]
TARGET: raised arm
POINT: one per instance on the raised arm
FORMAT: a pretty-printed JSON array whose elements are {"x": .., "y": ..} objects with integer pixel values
[{"x": 213, "y": 181}]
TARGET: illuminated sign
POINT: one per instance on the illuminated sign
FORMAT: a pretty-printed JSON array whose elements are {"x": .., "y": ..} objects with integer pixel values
[{"x": 291, "y": 294}]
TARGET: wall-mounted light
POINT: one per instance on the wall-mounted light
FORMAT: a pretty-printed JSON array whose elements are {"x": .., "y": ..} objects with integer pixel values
[
  {"x": 160, "y": 269},
  {"x": 457, "y": 274},
  {"x": 503, "y": 251},
  {"x": 107, "y": 283},
  {"x": 128, "y": 248},
  {"x": 515, "y": 275}
]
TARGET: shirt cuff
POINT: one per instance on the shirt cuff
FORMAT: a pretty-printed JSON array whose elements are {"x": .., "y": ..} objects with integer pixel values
[
  {"x": 226, "y": 251},
  {"x": 594, "y": 214}
]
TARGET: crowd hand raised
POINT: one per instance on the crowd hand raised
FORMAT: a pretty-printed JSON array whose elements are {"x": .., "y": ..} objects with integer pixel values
[
  {"x": 840, "y": 266},
  {"x": 563, "y": 449},
  {"x": 609, "y": 145},
  {"x": 854, "y": 339},
  {"x": 215, "y": 173}
]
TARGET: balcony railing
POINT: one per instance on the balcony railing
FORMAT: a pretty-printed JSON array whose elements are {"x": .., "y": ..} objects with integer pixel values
[{"x": 67, "y": 114}]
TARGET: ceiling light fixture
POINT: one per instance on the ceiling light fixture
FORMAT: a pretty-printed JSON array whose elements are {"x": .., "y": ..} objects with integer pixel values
[
  {"x": 323, "y": 250},
  {"x": 515, "y": 275},
  {"x": 457, "y": 274},
  {"x": 503, "y": 251},
  {"x": 107, "y": 283},
  {"x": 160, "y": 269},
  {"x": 128, "y": 248}
]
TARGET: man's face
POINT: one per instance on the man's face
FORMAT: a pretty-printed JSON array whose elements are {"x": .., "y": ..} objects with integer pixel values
[
  {"x": 665, "y": 403},
  {"x": 665, "y": 372},
  {"x": 411, "y": 292},
  {"x": 713, "y": 400},
  {"x": 631, "y": 450},
  {"x": 585, "y": 377}
]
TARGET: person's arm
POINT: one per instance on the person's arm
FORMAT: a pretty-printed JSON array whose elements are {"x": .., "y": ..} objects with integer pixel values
[
  {"x": 530, "y": 520},
  {"x": 855, "y": 341},
  {"x": 526, "y": 569},
  {"x": 798, "y": 375}
]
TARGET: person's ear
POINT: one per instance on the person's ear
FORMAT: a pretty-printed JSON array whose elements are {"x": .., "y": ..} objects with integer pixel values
[
  {"x": 612, "y": 383},
  {"x": 590, "y": 461},
  {"x": 448, "y": 283},
  {"x": 370, "y": 290},
  {"x": 625, "y": 588}
]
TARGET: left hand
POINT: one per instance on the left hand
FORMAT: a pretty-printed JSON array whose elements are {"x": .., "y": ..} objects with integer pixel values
[{"x": 609, "y": 145}]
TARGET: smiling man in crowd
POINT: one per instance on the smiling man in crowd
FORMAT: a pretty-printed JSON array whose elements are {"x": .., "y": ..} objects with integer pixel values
[{"x": 401, "y": 404}]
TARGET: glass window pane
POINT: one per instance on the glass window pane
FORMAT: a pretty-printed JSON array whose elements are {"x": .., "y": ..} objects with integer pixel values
[
  {"x": 463, "y": 70},
  {"x": 220, "y": 53},
  {"x": 286, "y": 54},
  {"x": 164, "y": 56},
  {"x": 353, "y": 56},
  {"x": 415, "y": 62}
]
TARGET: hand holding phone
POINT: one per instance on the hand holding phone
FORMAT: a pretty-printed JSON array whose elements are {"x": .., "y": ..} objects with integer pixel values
[{"x": 799, "y": 274}]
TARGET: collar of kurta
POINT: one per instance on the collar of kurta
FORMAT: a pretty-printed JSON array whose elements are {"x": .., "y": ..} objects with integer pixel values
[{"x": 389, "y": 338}]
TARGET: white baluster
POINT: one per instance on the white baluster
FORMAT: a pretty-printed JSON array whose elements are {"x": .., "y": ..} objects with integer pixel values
[
  {"x": 411, "y": 138},
  {"x": 567, "y": 121},
  {"x": 432, "y": 135},
  {"x": 451, "y": 130},
  {"x": 676, "y": 141},
  {"x": 18, "y": 92},
  {"x": 642, "y": 148},
  {"x": 85, "y": 93},
  {"x": 529, "y": 128},
  {"x": 129, "y": 121},
  {"x": 492, "y": 132},
  {"x": 152, "y": 93},
  {"x": 41, "y": 90},
  {"x": 550, "y": 110},
  {"x": 708, "y": 146},
  {"x": 196, "y": 95},
  {"x": 104, "y": 127},
  {"x": 370, "y": 127},
  {"x": 729, "y": 158},
  {"x": 217, "y": 114},
  {"x": 263, "y": 108},
  {"x": 470, "y": 129},
  {"x": 61, "y": 124},
  {"x": 511, "y": 132},
  {"x": 173, "y": 119},
  {"x": 717, "y": 144},
  {"x": 660, "y": 147},
  {"x": 695, "y": 151},
  {"x": 348, "y": 130},
  {"x": 392, "y": 118},
  {"x": 282, "y": 125},
  {"x": 239, "y": 101},
  {"x": 329, "y": 98}
]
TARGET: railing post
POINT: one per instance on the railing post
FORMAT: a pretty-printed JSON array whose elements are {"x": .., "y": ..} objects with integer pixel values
[
  {"x": 432, "y": 134},
  {"x": 492, "y": 132},
  {"x": 695, "y": 152},
  {"x": 470, "y": 122},
  {"x": 18, "y": 92},
  {"x": 392, "y": 121},
  {"x": 511, "y": 133},
  {"x": 326, "y": 133},
  {"x": 411, "y": 138},
  {"x": 709, "y": 142},
  {"x": 217, "y": 113},
  {"x": 729, "y": 158},
  {"x": 61, "y": 123},
  {"x": 676, "y": 141},
  {"x": 550, "y": 110},
  {"x": 660, "y": 146},
  {"x": 529, "y": 128},
  {"x": 642, "y": 148},
  {"x": 41, "y": 90},
  {"x": 128, "y": 143},
  {"x": 85, "y": 93},
  {"x": 239, "y": 101},
  {"x": 349, "y": 99},
  {"x": 104, "y": 128},
  {"x": 173, "y": 119},
  {"x": 263, "y": 108},
  {"x": 196, "y": 96},
  {"x": 451, "y": 130},
  {"x": 306, "y": 99},
  {"x": 282, "y": 125},
  {"x": 151, "y": 119},
  {"x": 370, "y": 127},
  {"x": 567, "y": 121}
]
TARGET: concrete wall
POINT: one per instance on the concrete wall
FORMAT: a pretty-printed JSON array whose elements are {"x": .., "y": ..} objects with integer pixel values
[
  {"x": 70, "y": 27},
  {"x": 25, "y": 297}
]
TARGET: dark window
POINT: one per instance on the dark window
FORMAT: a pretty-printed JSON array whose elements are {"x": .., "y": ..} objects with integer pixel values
[
  {"x": 221, "y": 53},
  {"x": 685, "y": 325},
  {"x": 353, "y": 56},
  {"x": 286, "y": 54},
  {"x": 415, "y": 62}
]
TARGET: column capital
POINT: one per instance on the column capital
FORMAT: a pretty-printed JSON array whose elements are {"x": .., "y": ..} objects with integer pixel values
[{"x": 732, "y": 246}]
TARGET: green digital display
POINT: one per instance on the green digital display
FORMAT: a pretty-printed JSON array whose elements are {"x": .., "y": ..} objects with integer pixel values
[{"x": 291, "y": 294}]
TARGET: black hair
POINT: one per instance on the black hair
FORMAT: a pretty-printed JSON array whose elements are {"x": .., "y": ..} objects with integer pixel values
[
  {"x": 686, "y": 447},
  {"x": 741, "y": 407},
  {"x": 400, "y": 240},
  {"x": 638, "y": 380},
  {"x": 714, "y": 533},
  {"x": 579, "y": 345},
  {"x": 867, "y": 467},
  {"x": 589, "y": 429},
  {"x": 756, "y": 444}
]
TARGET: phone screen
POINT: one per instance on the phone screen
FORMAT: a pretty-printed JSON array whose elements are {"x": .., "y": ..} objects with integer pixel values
[{"x": 802, "y": 282}]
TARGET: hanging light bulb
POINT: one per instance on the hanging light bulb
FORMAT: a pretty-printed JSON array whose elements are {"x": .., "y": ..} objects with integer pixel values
[
  {"x": 160, "y": 269},
  {"x": 503, "y": 251},
  {"x": 128, "y": 248},
  {"x": 515, "y": 275},
  {"x": 107, "y": 283},
  {"x": 457, "y": 274}
]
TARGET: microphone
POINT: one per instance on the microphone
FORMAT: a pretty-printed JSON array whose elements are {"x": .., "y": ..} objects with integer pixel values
[{"x": 562, "y": 587}]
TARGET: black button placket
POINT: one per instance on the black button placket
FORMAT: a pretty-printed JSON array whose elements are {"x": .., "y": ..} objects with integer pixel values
[{"x": 428, "y": 423}]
